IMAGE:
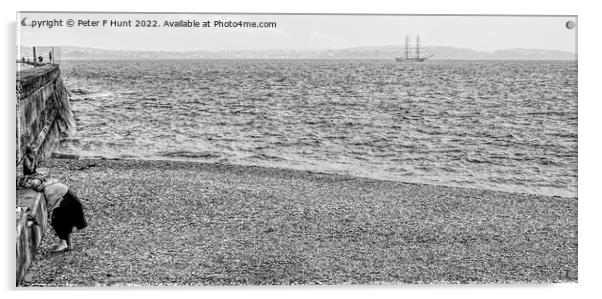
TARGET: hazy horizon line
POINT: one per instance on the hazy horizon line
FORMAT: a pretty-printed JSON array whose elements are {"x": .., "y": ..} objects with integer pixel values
[{"x": 291, "y": 49}]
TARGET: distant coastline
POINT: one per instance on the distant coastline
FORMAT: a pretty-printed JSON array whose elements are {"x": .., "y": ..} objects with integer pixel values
[{"x": 382, "y": 52}]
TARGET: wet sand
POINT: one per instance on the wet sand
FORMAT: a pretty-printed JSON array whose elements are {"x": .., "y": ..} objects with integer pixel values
[{"x": 181, "y": 223}]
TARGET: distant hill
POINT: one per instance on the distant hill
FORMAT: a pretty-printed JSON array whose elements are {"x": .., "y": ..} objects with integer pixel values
[{"x": 383, "y": 52}]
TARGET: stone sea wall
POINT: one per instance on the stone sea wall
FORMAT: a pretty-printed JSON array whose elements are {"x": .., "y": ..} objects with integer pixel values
[
  {"x": 43, "y": 110},
  {"x": 44, "y": 115}
]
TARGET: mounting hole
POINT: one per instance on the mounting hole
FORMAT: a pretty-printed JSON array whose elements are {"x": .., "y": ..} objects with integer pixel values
[{"x": 570, "y": 25}]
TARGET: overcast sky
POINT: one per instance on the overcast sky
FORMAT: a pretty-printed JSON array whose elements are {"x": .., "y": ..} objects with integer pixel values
[{"x": 303, "y": 32}]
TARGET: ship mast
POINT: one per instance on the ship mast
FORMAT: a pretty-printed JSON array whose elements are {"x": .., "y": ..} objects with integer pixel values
[
  {"x": 417, "y": 46},
  {"x": 407, "y": 48}
]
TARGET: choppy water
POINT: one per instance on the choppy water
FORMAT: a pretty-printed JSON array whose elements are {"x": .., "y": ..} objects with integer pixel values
[{"x": 494, "y": 125}]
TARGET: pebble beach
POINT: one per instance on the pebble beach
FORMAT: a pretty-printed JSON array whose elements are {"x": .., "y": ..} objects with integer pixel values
[{"x": 170, "y": 223}]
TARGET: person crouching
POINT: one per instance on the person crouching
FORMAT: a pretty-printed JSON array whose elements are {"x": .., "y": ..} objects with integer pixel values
[
  {"x": 65, "y": 210},
  {"x": 66, "y": 213}
]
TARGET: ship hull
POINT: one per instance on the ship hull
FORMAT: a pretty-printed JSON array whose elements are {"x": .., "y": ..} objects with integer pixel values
[{"x": 410, "y": 59}]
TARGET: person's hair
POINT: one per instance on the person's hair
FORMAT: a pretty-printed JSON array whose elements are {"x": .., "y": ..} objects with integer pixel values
[
  {"x": 29, "y": 161},
  {"x": 29, "y": 150}
]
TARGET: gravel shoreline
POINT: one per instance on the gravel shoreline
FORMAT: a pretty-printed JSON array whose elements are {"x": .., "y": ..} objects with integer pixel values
[{"x": 165, "y": 223}]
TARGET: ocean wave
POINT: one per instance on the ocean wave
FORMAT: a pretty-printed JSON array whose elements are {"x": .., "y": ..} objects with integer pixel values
[
  {"x": 79, "y": 91},
  {"x": 265, "y": 157},
  {"x": 189, "y": 154}
]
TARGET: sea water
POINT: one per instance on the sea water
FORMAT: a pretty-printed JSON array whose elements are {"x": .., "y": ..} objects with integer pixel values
[{"x": 501, "y": 125}]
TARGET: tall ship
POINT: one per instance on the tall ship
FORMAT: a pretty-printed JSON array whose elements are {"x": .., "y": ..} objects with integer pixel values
[{"x": 407, "y": 49}]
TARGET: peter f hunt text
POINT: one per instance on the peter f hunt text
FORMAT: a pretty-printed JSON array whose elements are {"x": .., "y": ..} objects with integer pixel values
[{"x": 147, "y": 23}]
